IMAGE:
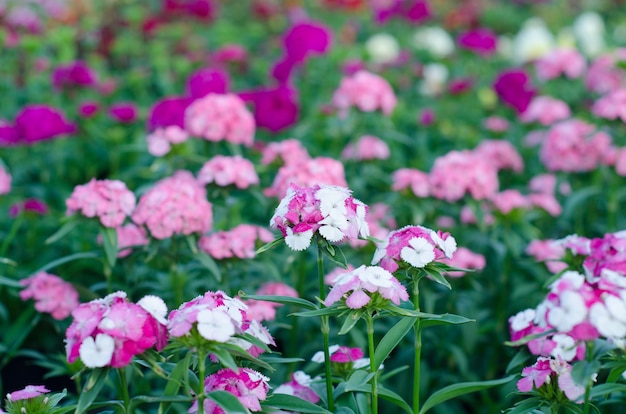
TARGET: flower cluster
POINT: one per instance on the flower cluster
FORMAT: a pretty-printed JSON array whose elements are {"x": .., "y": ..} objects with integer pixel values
[
  {"x": 130, "y": 235},
  {"x": 568, "y": 62},
  {"x": 343, "y": 357},
  {"x": 366, "y": 91},
  {"x": 414, "y": 246},
  {"x": 52, "y": 294},
  {"x": 238, "y": 242},
  {"x": 464, "y": 258},
  {"x": 217, "y": 317},
  {"x": 109, "y": 200},
  {"x": 175, "y": 205},
  {"x": 224, "y": 171},
  {"x": 546, "y": 111},
  {"x": 544, "y": 372},
  {"x": 220, "y": 118},
  {"x": 261, "y": 310},
  {"x": 249, "y": 386},
  {"x": 110, "y": 331},
  {"x": 330, "y": 211},
  {"x": 5, "y": 181},
  {"x": 299, "y": 386},
  {"x": 368, "y": 147},
  {"x": 160, "y": 141}
]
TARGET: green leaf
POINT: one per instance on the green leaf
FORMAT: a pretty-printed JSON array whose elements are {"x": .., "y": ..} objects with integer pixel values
[
  {"x": 280, "y": 360},
  {"x": 96, "y": 381},
  {"x": 350, "y": 320},
  {"x": 109, "y": 240},
  {"x": 62, "y": 232},
  {"x": 66, "y": 259},
  {"x": 292, "y": 403},
  {"x": 285, "y": 300},
  {"x": 270, "y": 245},
  {"x": 7, "y": 261},
  {"x": 438, "y": 277},
  {"x": 583, "y": 371},
  {"x": 17, "y": 333},
  {"x": 391, "y": 339},
  {"x": 331, "y": 310},
  {"x": 5, "y": 281},
  {"x": 456, "y": 390},
  {"x": 176, "y": 378},
  {"x": 445, "y": 319},
  {"x": 336, "y": 255},
  {"x": 208, "y": 262},
  {"x": 604, "y": 389},
  {"x": 228, "y": 402}
]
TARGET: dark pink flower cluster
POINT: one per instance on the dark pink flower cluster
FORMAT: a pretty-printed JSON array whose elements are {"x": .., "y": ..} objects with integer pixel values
[
  {"x": 328, "y": 210},
  {"x": 224, "y": 171},
  {"x": 74, "y": 74},
  {"x": 365, "y": 90},
  {"x": 35, "y": 123},
  {"x": 175, "y": 205},
  {"x": 514, "y": 88},
  {"x": 414, "y": 246},
  {"x": 109, "y": 200},
  {"x": 482, "y": 41},
  {"x": 52, "y": 294},
  {"x": 249, "y": 386},
  {"x": 220, "y": 118},
  {"x": 112, "y": 330},
  {"x": 238, "y": 242}
]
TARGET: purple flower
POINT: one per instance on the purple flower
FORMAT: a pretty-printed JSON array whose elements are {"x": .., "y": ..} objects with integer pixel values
[
  {"x": 73, "y": 74},
  {"x": 40, "y": 122},
  {"x": 169, "y": 111},
  {"x": 124, "y": 112},
  {"x": 306, "y": 38},
  {"x": 514, "y": 89},
  {"x": 274, "y": 108},
  {"x": 482, "y": 41},
  {"x": 414, "y": 11},
  {"x": 31, "y": 204},
  {"x": 88, "y": 109},
  {"x": 205, "y": 81},
  {"x": 202, "y": 9},
  {"x": 8, "y": 134}
]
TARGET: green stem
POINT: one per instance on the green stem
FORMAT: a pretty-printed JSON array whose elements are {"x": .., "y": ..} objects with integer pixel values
[
  {"x": 17, "y": 222},
  {"x": 123, "y": 389},
  {"x": 201, "y": 373},
  {"x": 325, "y": 328},
  {"x": 417, "y": 329},
  {"x": 589, "y": 358},
  {"x": 108, "y": 275},
  {"x": 373, "y": 368}
]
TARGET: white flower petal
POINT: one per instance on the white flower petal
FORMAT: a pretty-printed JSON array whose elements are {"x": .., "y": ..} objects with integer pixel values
[
  {"x": 97, "y": 353},
  {"x": 215, "y": 325},
  {"x": 298, "y": 241}
]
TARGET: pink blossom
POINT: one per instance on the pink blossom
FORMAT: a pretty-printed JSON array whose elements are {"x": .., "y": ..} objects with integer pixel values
[
  {"x": 130, "y": 235},
  {"x": 289, "y": 151},
  {"x": 574, "y": 146},
  {"x": 604, "y": 74},
  {"x": 249, "y": 386},
  {"x": 501, "y": 154},
  {"x": 205, "y": 81},
  {"x": 277, "y": 288},
  {"x": 549, "y": 251},
  {"x": 41, "y": 122},
  {"x": 464, "y": 258},
  {"x": 168, "y": 111},
  {"x": 611, "y": 106},
  {"x": 545, "y": 110},
  {"x": 74, "y": 74},
  {"x": 365, "y": 90},
  {"x": 620, "y": 162},
  {"x": 160, "y": 141},
  {"x": 568, "y": 62},
  {"x": 508, "y": 200},
  {"x": 220, "y": 117},
  {"x": 496, "y": 124},
  {"x": 307, "y": 172},
  {"x": 426, "y": 117},
  {"x": 238, "y": 242},
  {"x": 205, "y": 10},
  {"x": 367, "y": 147},
  {"x": 5, "y": 181},
  {"x": 468, "y": 216},
  {"x": 225, "y": 171},
  {"x": 547, "y": 370},
  {"x": 535, "y": 376},
  {"x": 546, "y": 202},
  {"x": 299, "y": 386},
  {"x": 379, "y": 220},
  {"x": 481, "y": 41},
  {"x": 30, "y": 391},
  {"x": 275, "y": 108},
  {"x": 345, "y": 354},
  {"x": 125, "y": 112},
  {"x": 414, "y": 246},
  {"x": 231, "y": 53},
  {"x": 88, "y": 109},
  {"x": 415, "y": 11},
  {"x": 52, "y": 294},
  {"x": 543, "y": 184},
  {"x": 261, "y": 310},
  {"x": 418, "y": 181},
  {"x": 32, "y": 205},
  {"x": 109, "y": 200}
]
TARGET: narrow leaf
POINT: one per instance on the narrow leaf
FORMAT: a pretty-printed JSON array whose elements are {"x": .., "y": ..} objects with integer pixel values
[
  {"x": 62, "y": 232},
  {"x": 228, "y": 402},
  {"x": 270, "y": 245},
  {"x": 66, "y": 259},
  {"x": 285, "y": 300},
  {"x": 96, "y": 381},
  {"x": 5, "y": 281},
  {"x": 7, "y": 261},
  {"x": 292, "y": 403},
  {"x": 445, "y": 319},
  {"x": 208, "y": 262},
  {"x": 604, "y": 389},
  {"x": 438, "y": 277},
  {"x": 109, "y": 240},
  {"x": 349, "y": 322},
  {"x": 391, "y": 339}
]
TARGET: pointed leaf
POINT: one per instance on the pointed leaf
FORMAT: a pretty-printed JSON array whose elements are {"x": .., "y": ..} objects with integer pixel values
[
  {"x": 445, "y": 319},
  {"x": 350, "y": 320},
  {"x": 285, "y": 300},
  {"x": 208, "y": 262},
  {"x": 602, "y": 390},
  {"x": 228, "y": 402},
  {"x": 391, "y": 339},
  {"x": 109, "y": 240},
  {"x": 457, "y": 390},
  {"x": 292, "y": 403},
  {"x": 438, "y": 277},
  {"x": 5, "y": 281},
  {"x": 62, "y": 232},
  {"x": 270, "y": 245},
  {"x": 7, "y": 261},
  {"x": 387, "y": 395},
  {"x": 96, "y": 381},
  {"x": 66, "y": 259}
]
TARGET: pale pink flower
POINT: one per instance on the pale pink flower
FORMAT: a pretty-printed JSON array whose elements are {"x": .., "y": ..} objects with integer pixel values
[
  {"x": 568, "y": 62},
  {"x": 574, "y": 146},
  {"x": 220, "y": 118},
  {"x": 546, "y": 111},
  {"x": 620, "y": 162},
  {"x": 336, "y": 274},
  {"x": 306, "y": 173},
  {"x": 365, "y": 90},
  {"x": 416, "y": 180},
  {"x": 299, "y": 386},
  {"x": 128, "y": 236},
  {"x": 549, "y": 251},
  {"x": 543, "y": 184},
  {"x": 160, "y": 141},
  {"x": 52, "y": 294},
  {"x": 468, "y": 216},
  {"x": 174, "y": 205},
  {"x": 109, "y": 200},
  {"x": 277, "y": 288},
  {"x": 547, "y": 370},
  {"x": 30, "y": 391},
  {"x": 261, "y": 310},
  {"x": 611, "y": 106},
  {"x": 239, "y": 242},
  {"x": 224, "y": 171},
  {"x": 464, "y": 258},
  {"x": 508, "y": 200},
  {"x": 546, "y": 202},
  {"x": 604, "y": 74},
  {"x": 249, "y": 386},
  {"x": 359, "y": 285},
  {"x": 290, "y": 151},
  {"x": 5, "y": 181},
  {"x": 501, "y": 154},
  {"x": 367, "y": 147},
  {"x": 535, "y": 376},
  {"x": 496, "y": 124},
  {"x": 534, "y": 138}
]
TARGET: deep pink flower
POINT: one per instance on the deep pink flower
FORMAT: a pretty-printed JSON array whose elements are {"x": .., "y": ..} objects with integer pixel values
[
  {"x": 535, "y": 376},
  {"x": 415, "y": 11},
  {"x": 205, "y": 81},
  {"x": 514, "y": 88},
  {"x": 40, "y": 122},
  {"x": 249, "y": 386},
  {"x": 346, "y": 354},
  {"x": 88, "y": 109},
  {"x": 299, "y": 386},
  {"x": 231, "y": 53},
  {"x": 74, "y": 74},
  {"x": 169, "y": 111},
  {"x": 8, "y": 134},
  {"x": 52, "y": 294},
  {"x": 482, "y": 41},
  {"x": 201, "y": 9},
  {"x": 460, "y": 85},
  {"x": 31, "y": 391},
  {"x": 275, "y": 108},
  {"x": 306, "y": 38},
  {"x": 33, "y": 205},
  {"x": 427, "y": 117},
  {"x": 124, "y": 112}
]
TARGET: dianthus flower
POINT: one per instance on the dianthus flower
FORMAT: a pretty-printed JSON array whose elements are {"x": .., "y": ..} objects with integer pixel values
[
  {"x": 224, "y": 171},
  {"x": 568, "y": 62},
  {"x": 368, "y": 147},
  {"x": 109, "y": 200},
  {"x": 545, "y": 371},
  {"x": 220, "y": 118},
  {"x": 604, "y": 74},
  {"x": 306, "y": 173},
  {"x": 549, "y": 251},
  {"x": 32, "y": 205},
  {"x": 5, "y": 181},
  {"x": 496, "y": 124},
  {"x": 275, "y": 108},
  {"x": 365, "y": 90},
  {"x": 41, "y": 122},
  {"x": 261, "y": 310},
  {"x": 611, "y": 106},
  {"x": 574, "y": 146},
  {"x": 161, "y": 139},
  {"x": 175, "y": 205},
  {"x": 169, "y": 111},
  {"x": 52, "y": 294},
  {"x": 238, "y": 242},
  {"x": 30, "y": 391},
  {"x": 607, "y": 252},
  {"x": 415, "y": 246},
  {"x": 501, "y": 154},
  {"x": 460, "y": 172},
  {"x": 508, "y": 200},
  {"x": 249, "y": 386},
  {"x": 346, "y": 359},
  {"x": 514, "y": 88},
  {"x": 360, "y": 286},
  {"x": 217, "y": 317},
  {"x": 124, "y": 112},
  {"x": 110, "y": 331},
  {"x": 416, "y": 180},
  {"x": 74, "y": 74},
  {"x": 464, "y": 258},
  {"x": 545, "y": 110},
  {"x": 482, "y": 41},
  {"x": 207, "y": 80},
  {"x": 330, "y": 211},
  {"x": 299, "y": 386},
  {"x": 130, "y": 235},
  {"x": 289, "y": 151}
]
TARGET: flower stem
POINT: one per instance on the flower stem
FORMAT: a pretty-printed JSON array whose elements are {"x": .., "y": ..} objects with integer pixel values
[
  {"x": 589, "y": 358},
  {"x": 325, "y": 328},
  {"x": 373, "y": 367},
  {"x": 17, "y": 222},
  {"x": 123, "y": 388},
  {"x": 417, "y": 329},
  {"x": 201, "y": 373}
]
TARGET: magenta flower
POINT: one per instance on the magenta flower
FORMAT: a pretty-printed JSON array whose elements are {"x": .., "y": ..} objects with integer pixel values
[
  {"x": 8, "y": 134},
  {"x": 33, "y": 205},
  {"x": 109, "y": 200},
  {"x": 201, "y": 9},
  {"x": 74, "y": 74},
  {"x": 415, "y": 11},
  {"x": 40, "y": 122},
  {"x": 52, "y": 294},
  {"x": 30, "y": 391},
  {"x": 124, "y": 112},
  {"x": 169, "y": 111},
  {"x": 275, "y": 108},
  {"x": 514, "y": 89},
  {"x": 205, "y": 81},
  {"x": 481, "y": 41},
  {"x": 224, "y": 171},
  {"x": 88, "y": 109},
  {"x": 426, "y": 117}
]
